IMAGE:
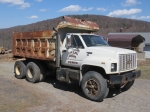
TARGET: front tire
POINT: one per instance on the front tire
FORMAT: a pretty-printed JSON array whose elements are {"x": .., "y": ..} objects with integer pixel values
[{"x": 94, "y": 86}]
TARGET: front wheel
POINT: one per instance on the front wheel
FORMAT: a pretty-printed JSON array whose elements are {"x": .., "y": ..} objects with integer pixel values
[{"x": 94, "y": 86}]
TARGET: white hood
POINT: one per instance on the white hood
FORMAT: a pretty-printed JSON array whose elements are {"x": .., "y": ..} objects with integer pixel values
[{"x": 107, "y": 51}]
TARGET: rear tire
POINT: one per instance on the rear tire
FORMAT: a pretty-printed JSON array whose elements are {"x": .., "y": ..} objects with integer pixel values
[
  {"x": 32, "y": 72},
  {"x": 94, "y": 86},
  {"x": 20, "y": 69},
  {"x": 42, "y": 71}
]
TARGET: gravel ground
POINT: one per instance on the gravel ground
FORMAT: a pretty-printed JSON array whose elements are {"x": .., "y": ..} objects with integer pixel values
[{"x": 52, "y": 96}]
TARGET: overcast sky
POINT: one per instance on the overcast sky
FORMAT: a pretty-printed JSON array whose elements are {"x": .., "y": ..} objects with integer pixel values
[{"x": 22, "y": 12}]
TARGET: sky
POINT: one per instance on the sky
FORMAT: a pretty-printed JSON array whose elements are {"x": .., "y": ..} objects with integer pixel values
[{"x": 22, "y": 12}]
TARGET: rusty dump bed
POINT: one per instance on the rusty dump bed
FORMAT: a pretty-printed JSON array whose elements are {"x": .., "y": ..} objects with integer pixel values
[
  {"x": 41, "y": 45},
  {"x": 38, "y": 45}
]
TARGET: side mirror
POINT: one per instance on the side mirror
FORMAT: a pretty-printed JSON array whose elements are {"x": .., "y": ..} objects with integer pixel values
[{"x": 68, "y": 42}]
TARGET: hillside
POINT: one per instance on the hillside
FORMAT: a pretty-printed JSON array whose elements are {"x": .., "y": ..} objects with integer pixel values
[{"x": 106, "y": 24}]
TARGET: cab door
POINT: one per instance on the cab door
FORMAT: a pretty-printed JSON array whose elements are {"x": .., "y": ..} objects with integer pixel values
[{"x": 74, "y": 52}]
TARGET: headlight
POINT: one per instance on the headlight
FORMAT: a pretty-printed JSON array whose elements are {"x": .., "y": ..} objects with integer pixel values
[{"x": 113, "y": 67}]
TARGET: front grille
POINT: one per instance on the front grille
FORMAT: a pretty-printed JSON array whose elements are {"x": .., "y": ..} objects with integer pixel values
[{"x": 127, "y": 61}]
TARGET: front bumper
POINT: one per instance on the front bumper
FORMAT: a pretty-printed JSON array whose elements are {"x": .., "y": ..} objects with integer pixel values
[{"x": 121, "y": 79}]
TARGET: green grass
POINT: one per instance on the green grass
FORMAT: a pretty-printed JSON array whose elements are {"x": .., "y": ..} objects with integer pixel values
[{"x": 145, "y": 74}]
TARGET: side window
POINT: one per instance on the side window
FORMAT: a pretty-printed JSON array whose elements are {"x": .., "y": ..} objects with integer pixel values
[{"x": 76, "y": 42}]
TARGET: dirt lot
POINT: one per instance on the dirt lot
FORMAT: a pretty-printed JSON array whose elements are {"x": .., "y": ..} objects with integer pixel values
[{"x": 52, "y": 96}]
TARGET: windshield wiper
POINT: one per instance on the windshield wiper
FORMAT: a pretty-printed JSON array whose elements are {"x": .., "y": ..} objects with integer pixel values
[
  {"x": 97, "y": 45},
  {"x": 101, "y": 44}
]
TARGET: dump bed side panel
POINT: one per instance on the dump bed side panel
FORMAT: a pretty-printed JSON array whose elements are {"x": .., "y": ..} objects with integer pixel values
[{"x": 37, "y": 45}]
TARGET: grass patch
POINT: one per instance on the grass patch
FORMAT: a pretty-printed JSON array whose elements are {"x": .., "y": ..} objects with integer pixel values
[{"x": 145, "y": 74}]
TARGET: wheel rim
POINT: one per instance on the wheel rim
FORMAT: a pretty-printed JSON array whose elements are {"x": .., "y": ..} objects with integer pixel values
[
  {"x": 92, "y": 87},
  {"x": 17, "y": 69},
  {"x": 30, "y": 73}
]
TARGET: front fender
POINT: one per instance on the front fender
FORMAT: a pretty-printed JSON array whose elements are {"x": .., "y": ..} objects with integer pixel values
[{"x": 105, "y": 63}]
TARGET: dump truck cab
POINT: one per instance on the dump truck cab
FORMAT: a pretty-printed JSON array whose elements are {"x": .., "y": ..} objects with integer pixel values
[{"x": 79, "y": 49}]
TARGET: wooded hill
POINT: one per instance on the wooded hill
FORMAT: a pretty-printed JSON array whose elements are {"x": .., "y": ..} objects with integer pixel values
[{"x": 106, "y": 24}]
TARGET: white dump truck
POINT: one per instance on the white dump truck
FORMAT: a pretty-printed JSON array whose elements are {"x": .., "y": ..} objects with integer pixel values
[{"x": 74, "y": 54}]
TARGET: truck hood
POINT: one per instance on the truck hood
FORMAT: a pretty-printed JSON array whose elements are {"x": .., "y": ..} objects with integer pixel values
[{"x": 107, "y": 51}]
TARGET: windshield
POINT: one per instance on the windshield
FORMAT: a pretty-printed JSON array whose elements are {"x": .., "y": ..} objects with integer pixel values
[{"x": 93, "y": 40}]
